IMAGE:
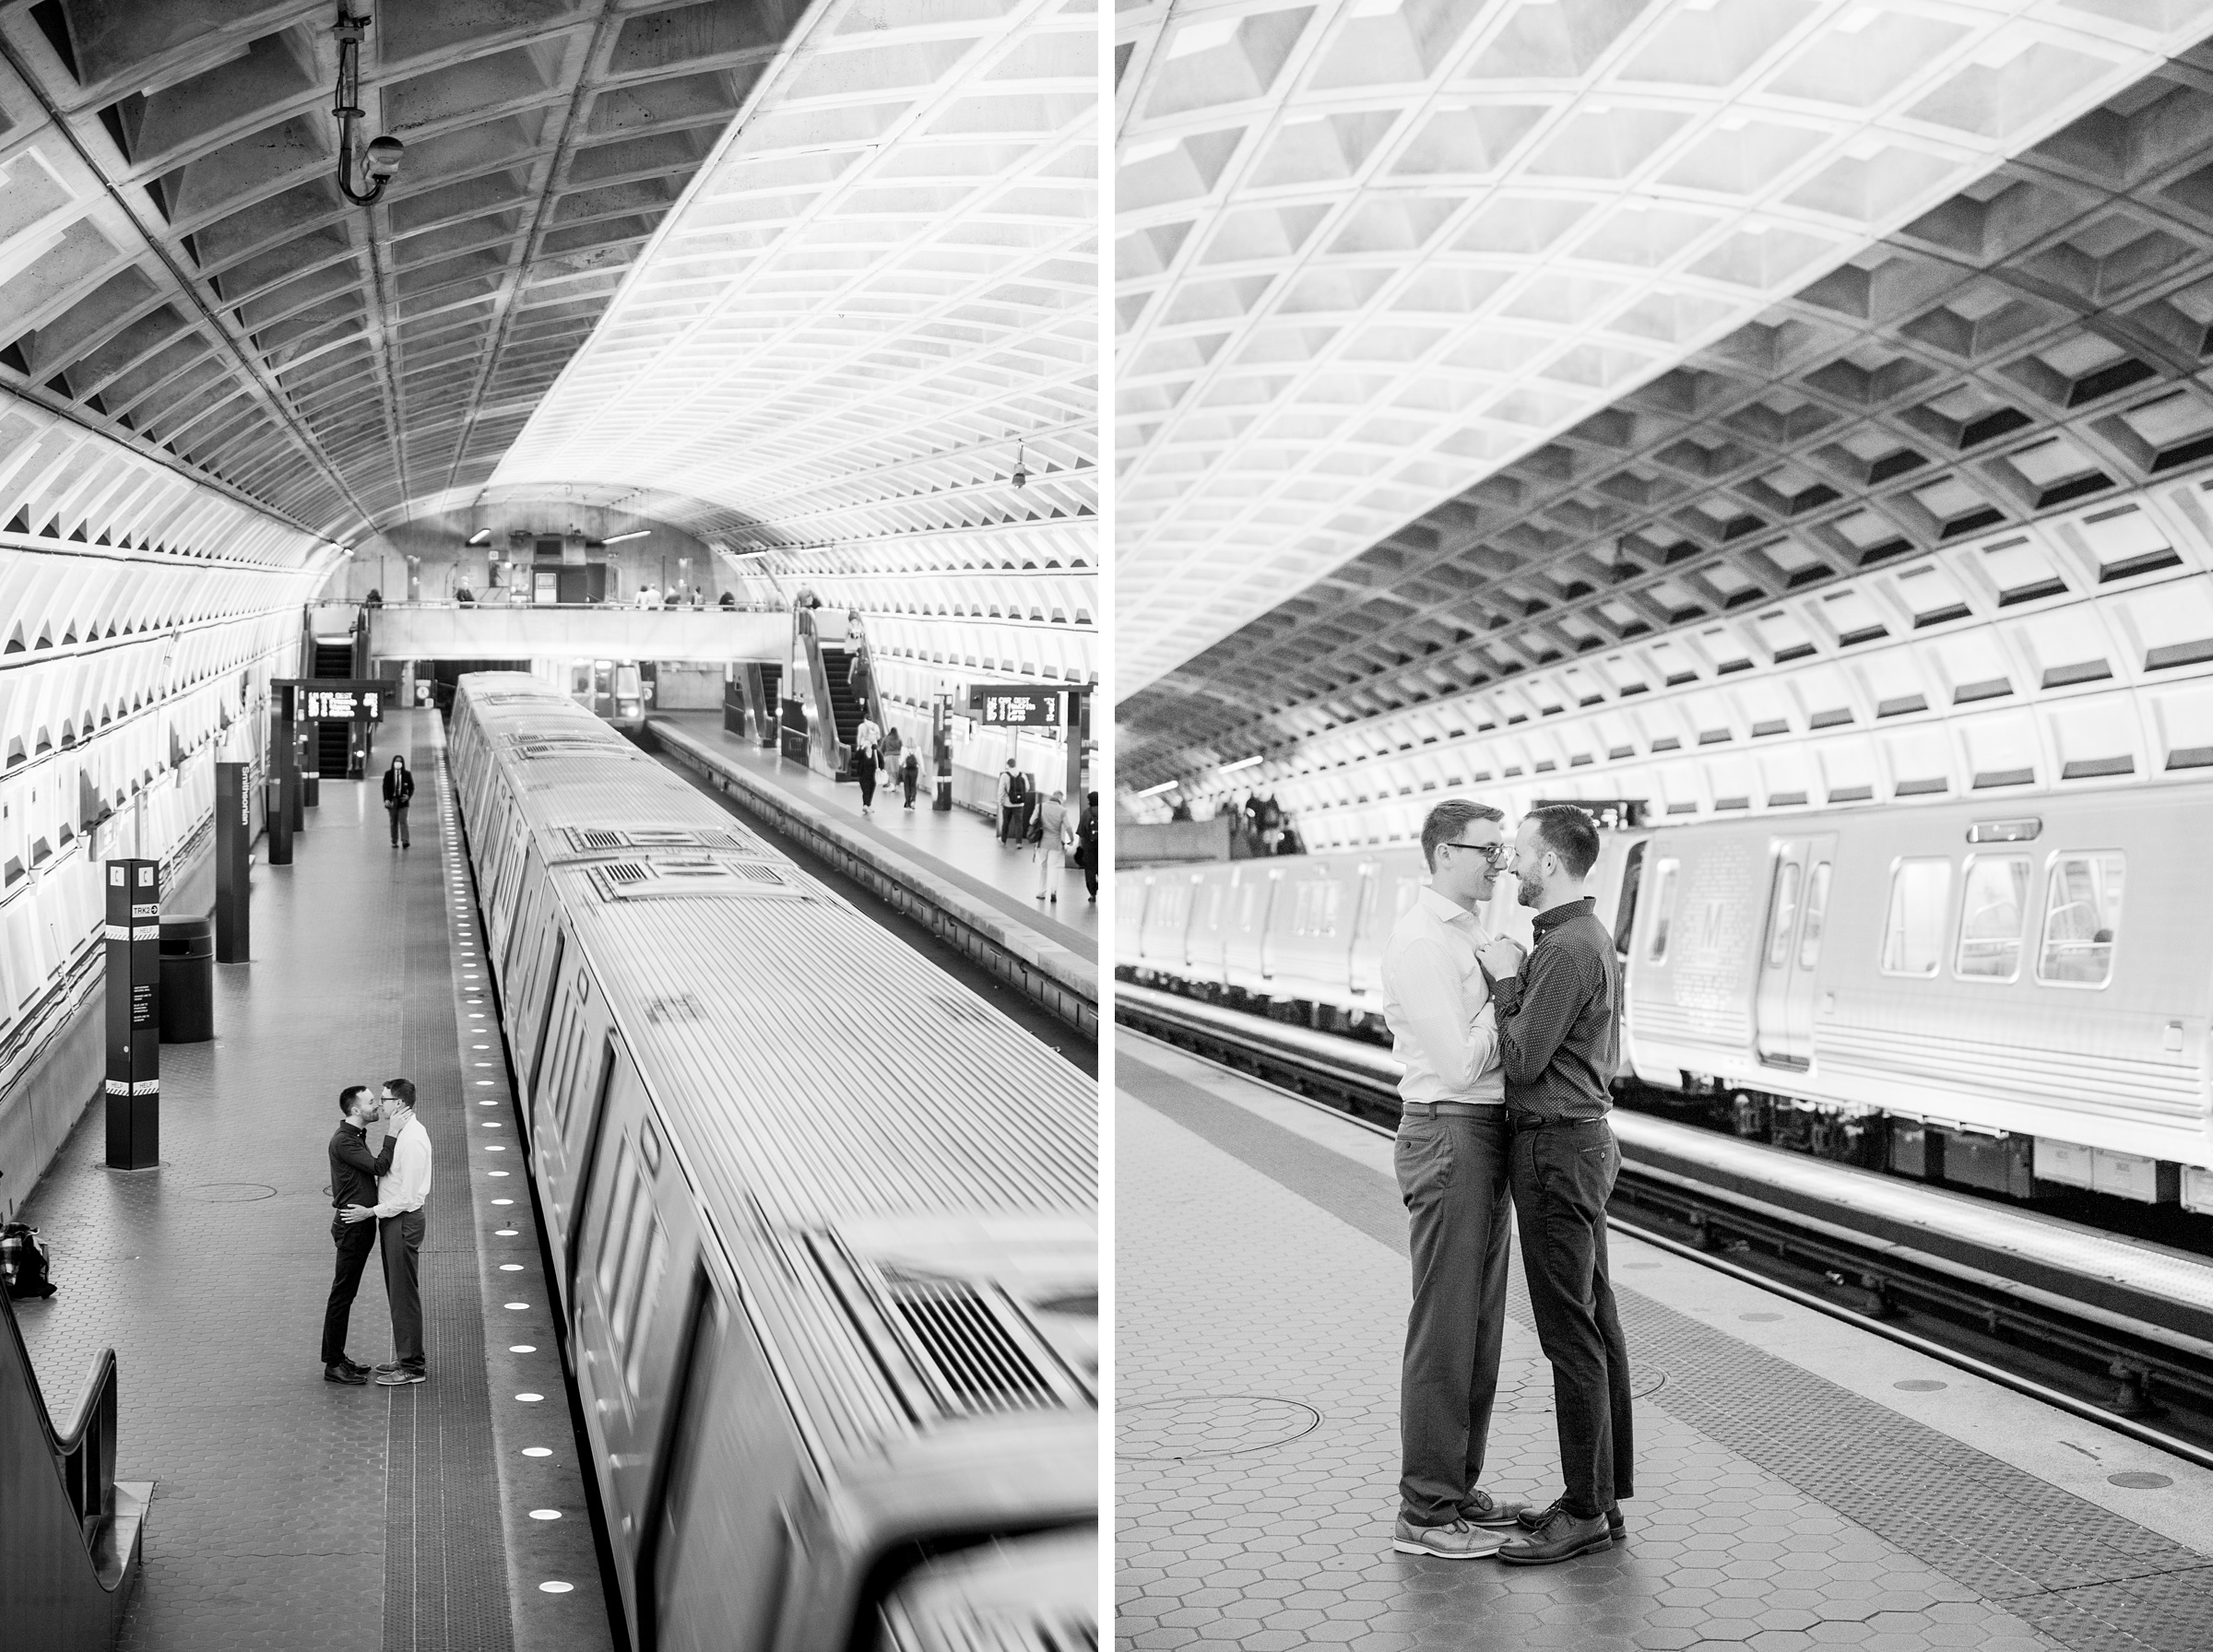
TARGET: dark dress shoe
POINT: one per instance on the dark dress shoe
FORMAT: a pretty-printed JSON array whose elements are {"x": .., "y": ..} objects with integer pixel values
[
  {"x": 1529, "y": 1519},
  {"x": 345, "y": 1373},
  {"x": 1562, "y": 1537}
]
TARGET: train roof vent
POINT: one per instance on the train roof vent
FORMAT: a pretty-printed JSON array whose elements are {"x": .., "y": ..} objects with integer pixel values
[
  {"x": 667, "y": 879},
  {"x": 600, "y": 839},
  {"x": 967, "y": 1350}
]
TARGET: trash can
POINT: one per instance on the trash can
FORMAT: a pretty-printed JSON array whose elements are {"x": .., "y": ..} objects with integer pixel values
[
  {"x": 311, "y": 789},
  {"x": 187, "y": 981}
]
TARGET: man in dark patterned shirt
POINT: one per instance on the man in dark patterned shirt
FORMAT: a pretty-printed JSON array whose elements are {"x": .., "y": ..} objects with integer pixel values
[
  {"x": 1559, "y": 1041},
  {"x": 353, "y": 1172}
]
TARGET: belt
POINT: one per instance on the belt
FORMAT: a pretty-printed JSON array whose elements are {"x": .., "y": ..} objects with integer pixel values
[
  {"x": 1451, "y": 1110},
  {"x": 1535, "y": 1121}
]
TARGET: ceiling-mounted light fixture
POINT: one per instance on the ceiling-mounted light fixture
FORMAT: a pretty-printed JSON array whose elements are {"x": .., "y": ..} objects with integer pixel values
[
  {"x": 380, "y": 161},
  {"x": 635, "y": 533},
  {"x": 1243, "y": 762},
  {"x": 1155, "y": 791},
  {"x": 481, "y": 537},
  {"x": 1021, "y": 478}
]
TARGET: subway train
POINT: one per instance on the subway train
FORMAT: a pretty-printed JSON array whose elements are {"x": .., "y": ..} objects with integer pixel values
[
  {"x": 822, "y": 1221},
  {"x": 2010, "y": 995}
]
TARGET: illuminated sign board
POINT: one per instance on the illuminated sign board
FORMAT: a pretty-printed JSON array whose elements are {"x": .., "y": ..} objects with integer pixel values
[
  {"x": 1017, "y": 708},
  {"x": 340, "y": 699}
]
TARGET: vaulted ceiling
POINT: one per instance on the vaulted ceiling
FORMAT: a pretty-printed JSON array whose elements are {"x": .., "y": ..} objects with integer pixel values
[{"x": 1450, "y": 330}]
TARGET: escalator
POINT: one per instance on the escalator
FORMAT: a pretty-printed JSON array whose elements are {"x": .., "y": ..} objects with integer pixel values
[
  {"x": 69, "y": 1532},
  {"x": 333, "y": 738},
  {"x": 846, "y": 706}
]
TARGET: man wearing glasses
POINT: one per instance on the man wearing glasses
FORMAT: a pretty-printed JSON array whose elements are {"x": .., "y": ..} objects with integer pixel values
[{"x": 1452, "y": 1160}]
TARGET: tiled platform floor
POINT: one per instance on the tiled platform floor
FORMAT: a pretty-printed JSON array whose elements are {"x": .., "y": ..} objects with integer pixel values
[
  {"x": 959, "y": 846},
  {"x": 1801, "y": 1485},
  {"x": 289, "y": 1512}
]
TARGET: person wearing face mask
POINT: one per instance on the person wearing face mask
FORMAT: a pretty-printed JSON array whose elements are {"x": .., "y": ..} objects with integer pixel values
[
  {"x": 1559, "y": 1042},
  {"x": 399, "y": 791}
]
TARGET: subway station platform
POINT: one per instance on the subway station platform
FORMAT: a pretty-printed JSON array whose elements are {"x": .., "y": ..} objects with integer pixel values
[
  {"x": 288, "y": 1511},
  {"x": 950, "y": 867},
  {"x": 1801, "y": 1483}
]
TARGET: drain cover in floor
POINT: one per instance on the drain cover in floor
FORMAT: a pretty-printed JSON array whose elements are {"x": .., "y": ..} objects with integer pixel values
[
  {"x": 1645, "y": 1379},
  {"x": 231, "y": 1193},
  {"x": 1208, "y": 1425}
]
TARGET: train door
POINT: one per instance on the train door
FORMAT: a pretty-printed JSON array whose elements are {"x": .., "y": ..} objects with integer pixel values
[
  {"x": 1365, "y": 971},
  {"x": 638, "y": 1299},
  {"x": 1797, "y": 912},
  {"x": 1273, "y": 910}
]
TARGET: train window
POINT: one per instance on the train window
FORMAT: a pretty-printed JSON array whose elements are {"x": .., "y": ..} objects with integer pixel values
[
  {"x": 2082, "y": 913},
  {"x": 616, "y": 1229},
  {"x": 1816, "y": 911},
  {"x": 1785, "y": 915},
  {"x": 648, "y": 1296},
  {"x": 1663, "y": 909},
  {"x": 1913, "y": 932},
  {"x": 1624, "y": 914},
  {"x": 644, "y": 1239},
  {"x": 1993, "y": 909}
]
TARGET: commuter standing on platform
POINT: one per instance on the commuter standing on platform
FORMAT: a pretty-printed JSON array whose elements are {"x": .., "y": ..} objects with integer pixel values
[
  {"x": 400, "y": 1220},
  {"x": 353, "y": 1174},
  {"x": 1559, "y": 1040},
  {"x": 1054, "y": 838},
  {"x": 399, "y": 791},
  {"x": 1087, "y": 844},
  {"x": 1452, "y": 1167},
  {"x": 910, "y": 777},
  {"x": 1008, "y": 780}
]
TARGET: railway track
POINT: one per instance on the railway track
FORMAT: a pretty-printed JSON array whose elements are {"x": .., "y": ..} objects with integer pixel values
[{"x": 2092, "y": 1352}]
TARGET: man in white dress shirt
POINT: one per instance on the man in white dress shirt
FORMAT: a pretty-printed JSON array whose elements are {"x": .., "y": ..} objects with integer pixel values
[
  {"x": 1451, "y": 1159},
  {"x": 399, "y": 1226}
]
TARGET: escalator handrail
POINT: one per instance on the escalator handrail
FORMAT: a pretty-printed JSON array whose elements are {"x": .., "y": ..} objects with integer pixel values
[{"x": 96, "y": 1402}]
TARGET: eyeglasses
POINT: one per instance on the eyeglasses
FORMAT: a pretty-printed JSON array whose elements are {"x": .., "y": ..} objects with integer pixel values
[{"x": 1496, "y": 853}]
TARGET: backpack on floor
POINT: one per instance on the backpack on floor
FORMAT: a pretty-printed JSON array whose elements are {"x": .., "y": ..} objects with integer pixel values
[{"x": 23, "y": 1261}]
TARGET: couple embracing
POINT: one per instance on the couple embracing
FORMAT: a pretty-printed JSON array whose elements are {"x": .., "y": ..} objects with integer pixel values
[
  {"x": 1508, "y": 1057},
  {"x": 378, "y": 1198}
]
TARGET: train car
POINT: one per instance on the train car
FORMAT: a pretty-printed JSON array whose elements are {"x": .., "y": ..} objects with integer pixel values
[
  {"x": 823, "y": 1221},
  {"x": 1992, "y": 993},
  {"x": 1307, "y": 931}
]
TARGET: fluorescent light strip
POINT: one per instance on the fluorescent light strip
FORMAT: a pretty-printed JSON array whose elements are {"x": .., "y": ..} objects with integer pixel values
[
  {"x": 634, "y": 534},
  {"x": 1243, "y": 762},
  {"x": 1155, "y": 791}
]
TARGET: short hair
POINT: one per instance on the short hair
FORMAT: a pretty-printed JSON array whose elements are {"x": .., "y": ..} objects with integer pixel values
[
  {"x": 1569, "y": 833},
  {"x": 1445, "y": 822},
  {"x": 403, "y": 1090},
  {"x": 346, "y": 1096}
]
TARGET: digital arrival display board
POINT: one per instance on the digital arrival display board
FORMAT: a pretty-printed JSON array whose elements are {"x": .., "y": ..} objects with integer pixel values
[
  {"x": 1020, "y": 705},
  {"x": 357, "y": 700}
]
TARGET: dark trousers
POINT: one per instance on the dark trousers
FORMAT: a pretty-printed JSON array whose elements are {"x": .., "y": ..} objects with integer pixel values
[
  {"x": 866, "y": 774},
  {"x": 355, "y": 1240},
  {"x": 1091, "y": 874},
  {"x": 1006, "y": 821},
  {"x": 1563, "y": 1174},
  {"x": 400, "y": 1237},
  {"x": 398, "y": 811},
  {"x": 1452, "y": 1178},
  {"x": 906, "y": 785}
]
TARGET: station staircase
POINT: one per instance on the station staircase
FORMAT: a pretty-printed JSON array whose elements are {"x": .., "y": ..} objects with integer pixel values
[{"x": 69, "y": 1530}]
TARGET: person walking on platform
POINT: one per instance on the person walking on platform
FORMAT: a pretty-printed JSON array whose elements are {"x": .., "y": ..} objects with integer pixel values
[
  {"x": 1087, "y": 844},
  {"x": 1056, "y": 837},
  {"x": 1559, "y": 1041},
  {"x": 400, "y": 1220},
  {"x": 353, "y": 1174},
  {"x": 1450, "y": 1159},
  {"x": 399, "y": 791},
  {"x": 910, "y": 777},
  {"x": 866, "y": 741}
]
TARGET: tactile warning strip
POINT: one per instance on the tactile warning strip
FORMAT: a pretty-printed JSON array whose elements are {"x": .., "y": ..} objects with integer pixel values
[{"x": 2080, "y": 1572}]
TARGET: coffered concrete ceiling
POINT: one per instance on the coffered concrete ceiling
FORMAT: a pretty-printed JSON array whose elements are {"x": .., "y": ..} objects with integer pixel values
[{"x": 1371, "y": 254}]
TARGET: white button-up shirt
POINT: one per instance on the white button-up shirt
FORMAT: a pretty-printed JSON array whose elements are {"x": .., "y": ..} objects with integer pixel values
[
  {"x": 1438, "y": 1006},
  {"x": 408, "y": 1183}
]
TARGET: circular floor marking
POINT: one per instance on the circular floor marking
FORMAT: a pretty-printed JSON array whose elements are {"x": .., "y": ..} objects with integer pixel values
[
  {"x": 502, "y": 1201},
  {"x": 1208, "y": 1425},
  {"x": 1645, "y": 1379},
  {"x": 517, "y": 1304},
  {"x": 556, "y": 1589},
  {"x": 231, "y": 1193},
  {"x": 1641, "y": 1266},
  {"x": 1920, "y": 1384},
  {"x": 495, "y": 1173},
  {"x": 505, "y": 1232},
  {"x": 2137, "y": 1479},
  {"x": 537, "y": 1451},
  {"x": 545, "y": 1514},
  {"x": 522, "y": 1348},
  {"x": 529, "y": 1398},
  {"x": 510, "y": 1268},
  {"x": 1759, "y": 1318}
]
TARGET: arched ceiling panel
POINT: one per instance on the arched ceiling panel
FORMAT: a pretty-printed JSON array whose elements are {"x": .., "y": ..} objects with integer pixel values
[{"x": 1373, "y": 251}]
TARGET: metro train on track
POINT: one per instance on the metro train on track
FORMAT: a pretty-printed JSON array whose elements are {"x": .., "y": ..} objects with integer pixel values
[
  {"x": 822, "y": 1221},
  {"x": 1993, "y": 994}
]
